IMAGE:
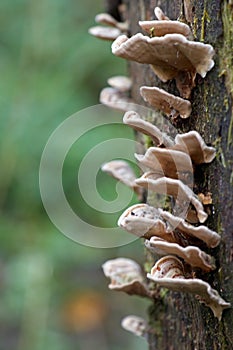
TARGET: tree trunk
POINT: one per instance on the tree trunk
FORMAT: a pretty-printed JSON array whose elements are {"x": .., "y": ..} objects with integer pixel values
[{"x": 178, "y": 320}]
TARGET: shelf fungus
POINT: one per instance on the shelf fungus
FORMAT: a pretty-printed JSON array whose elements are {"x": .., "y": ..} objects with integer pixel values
[
  {"x": 107, "y": 19},
  {"x": 136, "y": 325},
  {"x": 126, "y": 275},
  {"x": 120, "y": 82},
  {"x": 203, "y": 233},
  {"x": 163, "y": 27},
  {"x": 171, "y": 56},
  {"x": 190, "y": 143},
  {"x": 173, "y": 106},
  {"x": 144, "y": 221},
  {"x": 192, "y": 255},
  {"x": 168, "y": 272},
  {"x": 193, "y": 144},
  {"x": 133, "y": 119},
  {"x": 105, "y": 33},
  {"x": 109, "y": 29},
  {"x": 167, "y": 162},
  {"x": 120, "y": 170},
  {"x": 116, "y": 99},
  {"x": 160, "y": 15},
  {"x": 175, "y": 188}
]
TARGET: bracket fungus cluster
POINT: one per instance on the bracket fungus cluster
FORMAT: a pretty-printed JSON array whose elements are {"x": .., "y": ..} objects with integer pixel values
[
  {"x": 146, "y": 221},
  {"x": 169, "y": 50},
  {"x": 170, "y": 164},
  {"x": 169, "y": 272}
]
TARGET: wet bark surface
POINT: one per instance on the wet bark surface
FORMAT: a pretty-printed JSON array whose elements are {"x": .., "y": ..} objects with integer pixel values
[{"x": 178, "y": 321}]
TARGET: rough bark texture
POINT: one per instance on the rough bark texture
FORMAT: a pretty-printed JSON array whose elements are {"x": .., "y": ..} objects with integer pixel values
[{"x": 178, "y": 321}]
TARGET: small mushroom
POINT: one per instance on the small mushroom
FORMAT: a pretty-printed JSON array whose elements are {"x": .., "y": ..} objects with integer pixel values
[
  {"x": 126, "y": 275},
  {"x": 163, "y": 27},
  {"x": 144, "y": 221},
  {"x": 171, "y": 56},
  {"x": 121, "y": 83},
  {"x": 191, "y": 254},
  {"x": 167, "y": 162},
  {"x": 170, "y": 104},
  {"x": 105, "y": 33},
  {"x": 116, "y": 99},
  {"x": 135, "y": 325},
  {"x": 193, "y": 144},
  {"x": 211, "y": 238},
  {"x": 134, "y": 120},
  {"x": 160, "y": 15},
  {"x": 168, "y": 273},
  {"x": 173, "y": 187},
  {"x": 120, "y": 170}
]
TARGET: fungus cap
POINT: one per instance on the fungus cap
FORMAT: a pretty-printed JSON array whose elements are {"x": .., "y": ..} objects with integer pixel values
[
  {"x": 202, "y": 289},
  {"x": 190, "y": 254},
  {"x": 120, "y": 83},
  {"x": 169, "y": 104},
  {"x": 193, "y": 144},
  {"x": 134, "y": 120},
  {"x": 159, "y": 14},
  {"x": 171, "y": 56},
  {"x": 134, "y": 324},
  {"x": 144, "y": 221},
  {"x": 167, "y": 162},
  {"x": 211, "y": 238},
  {"x": 126, "y": 275},
  {"x": 116, "y": 99},
  {"x": 163, "y": 27},
  {"x": 173, "y": 187},
  {"x": 121, "y": 171},
  {"x": 168, "y": 267},
  {"x": 105, "y": 33}
]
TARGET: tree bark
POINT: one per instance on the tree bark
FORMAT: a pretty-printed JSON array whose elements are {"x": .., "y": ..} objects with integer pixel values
[{"x": 178, "y": 321}]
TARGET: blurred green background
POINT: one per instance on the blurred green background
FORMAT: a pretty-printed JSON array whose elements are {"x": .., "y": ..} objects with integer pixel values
[{"x": 53, "y": 294}]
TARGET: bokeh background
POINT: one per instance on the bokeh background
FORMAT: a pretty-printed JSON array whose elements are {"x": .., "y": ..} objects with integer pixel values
[{"x": 53, "y": 294}]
